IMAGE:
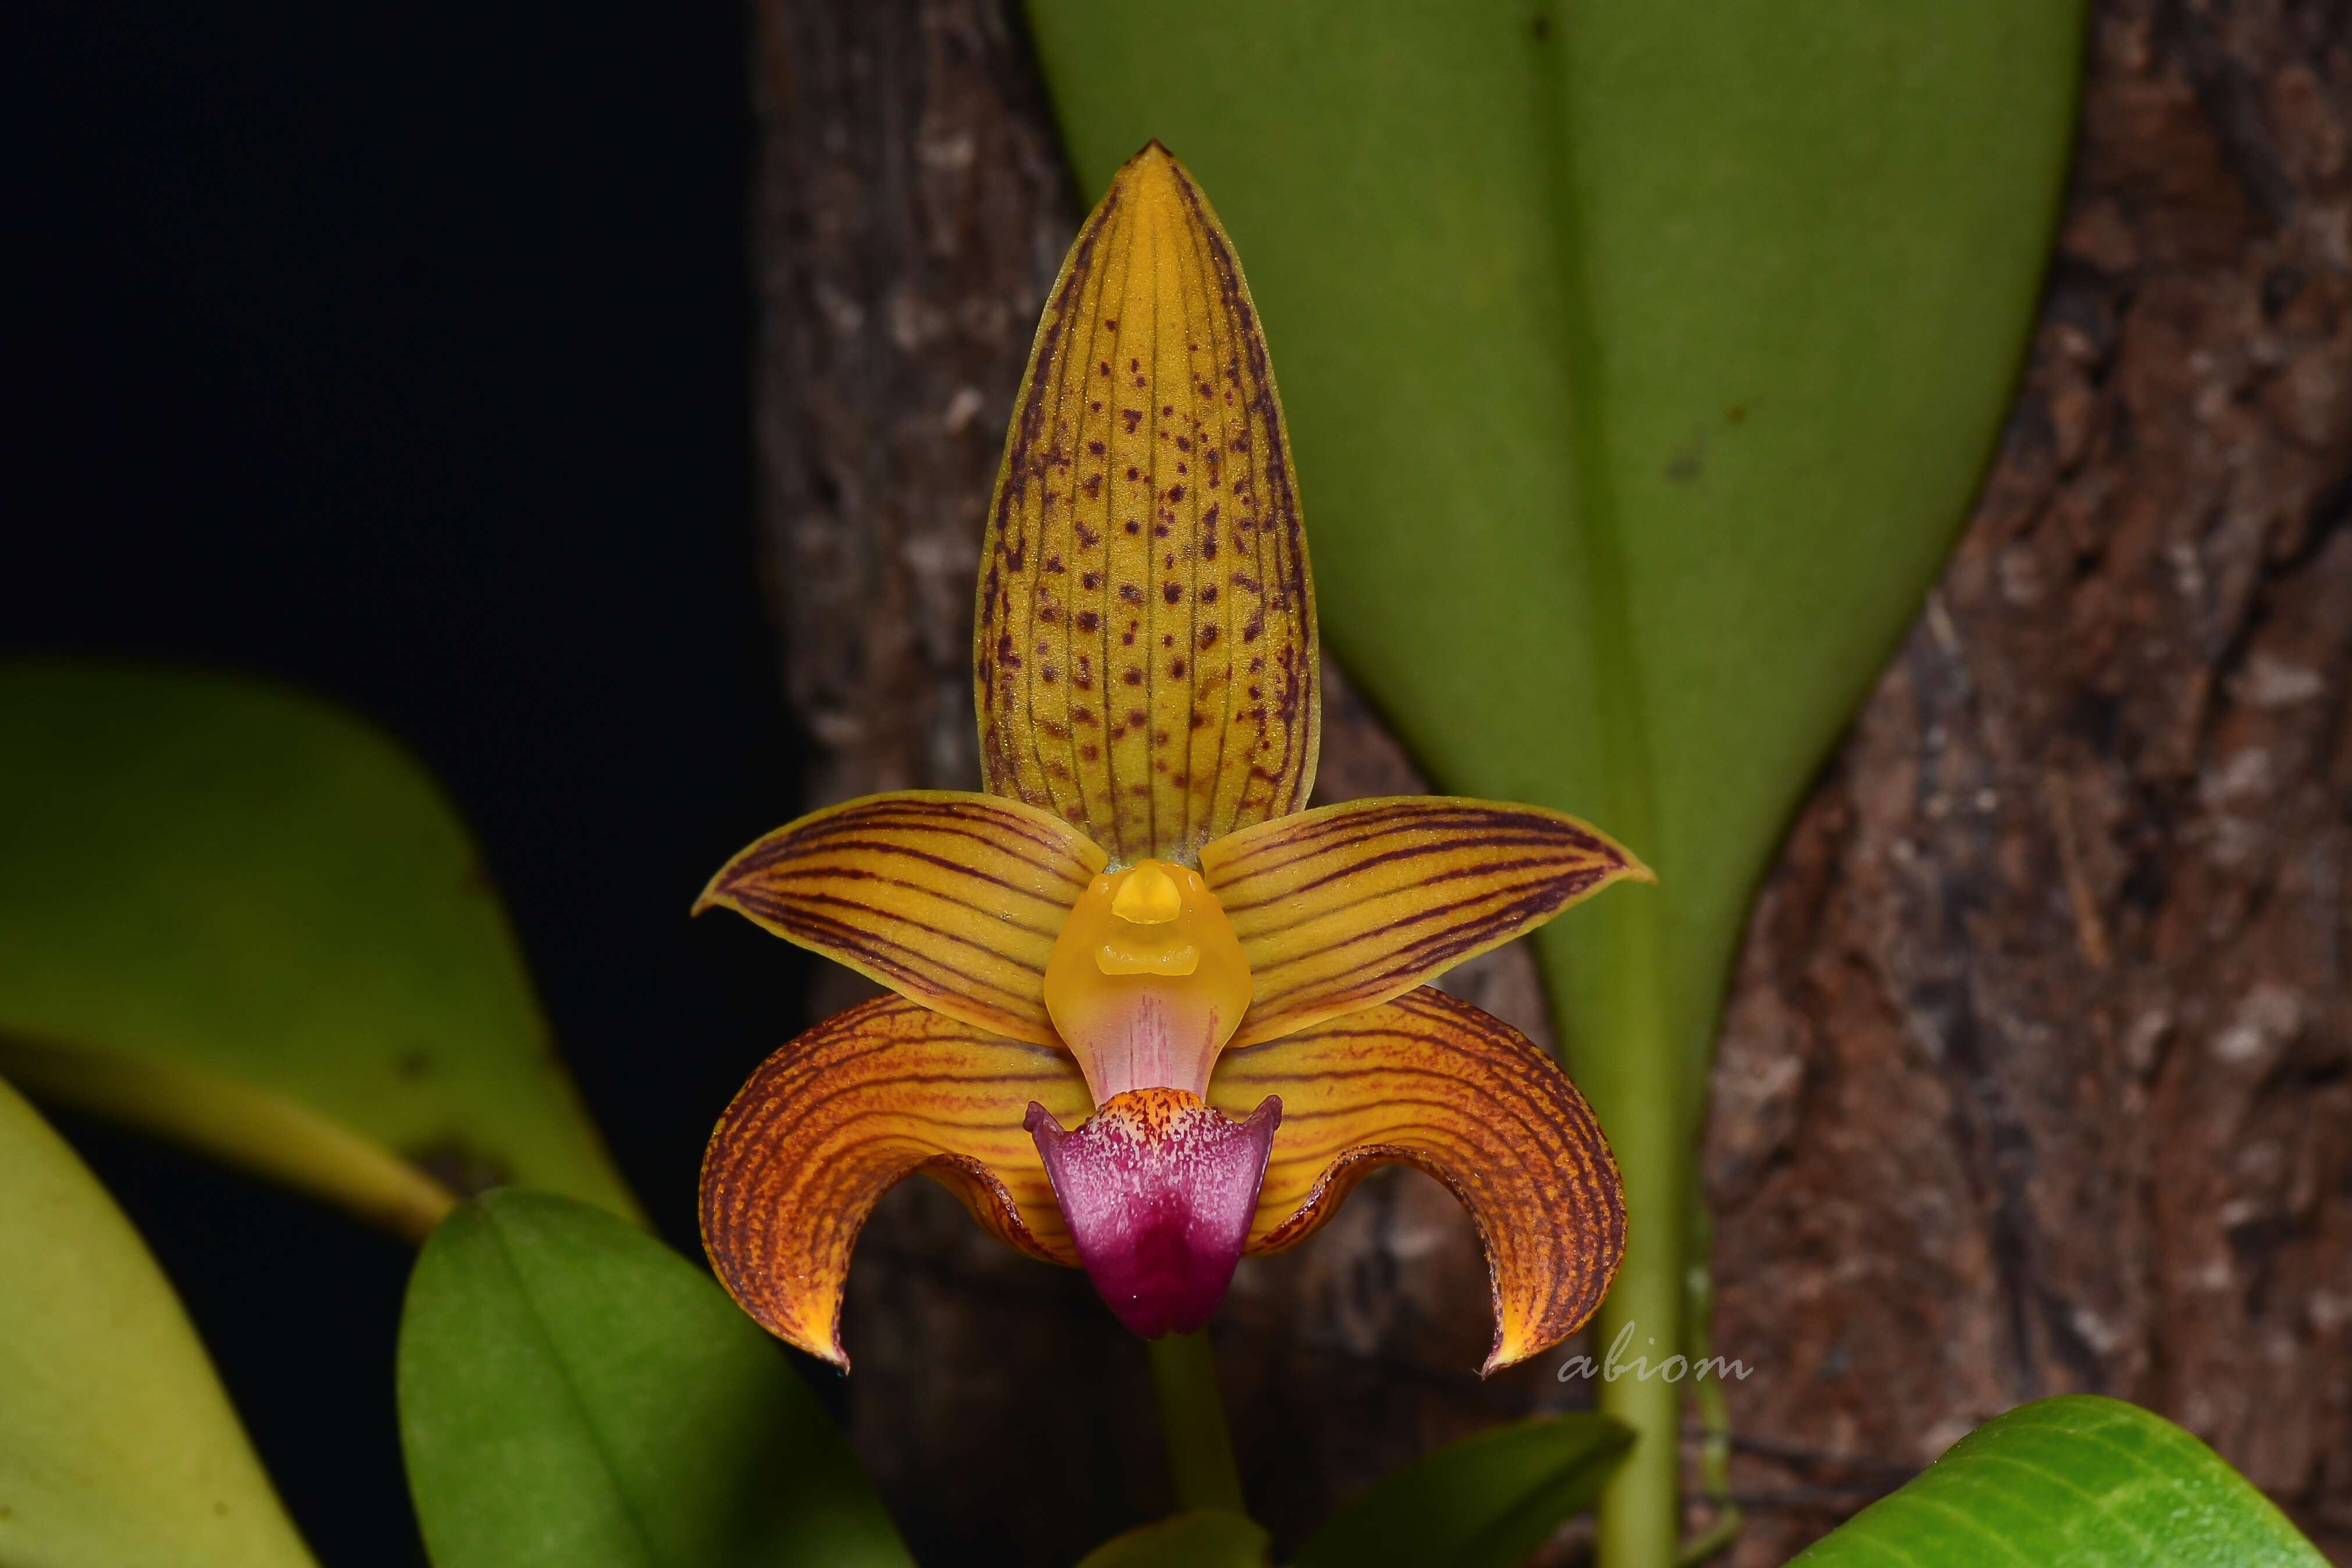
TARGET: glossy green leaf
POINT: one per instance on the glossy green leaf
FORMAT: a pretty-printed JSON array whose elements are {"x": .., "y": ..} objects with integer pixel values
[
  {"x": 240, "y": 918},
  {"x": 117, "y": 1445},
  {"x": 1639, "y": 363},
  {"x": 2077, "y": 1482},
  {"x": 1487, "y": 1501},
  {"x": 574, "y": 1395},
  {"x": 1201, "y": 1538}
]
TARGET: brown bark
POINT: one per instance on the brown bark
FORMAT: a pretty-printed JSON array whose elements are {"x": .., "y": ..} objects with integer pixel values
[
  {"x": 2037, "y": 1074},
  {"x": 2035, "y": 1077}
]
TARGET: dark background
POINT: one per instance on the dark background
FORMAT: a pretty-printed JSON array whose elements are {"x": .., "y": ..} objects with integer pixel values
[{"x": 401, "y": 352}]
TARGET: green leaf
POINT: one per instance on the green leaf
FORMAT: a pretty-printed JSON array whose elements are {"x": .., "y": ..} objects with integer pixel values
[
  {"x": 117, "y": 1445},
  {"x": 2077, "y": 1482},
  {"x": 240, "y": 918},
  {"x": 573, "y": 1394},
  {"x": 1201, "y": 1538},
  {"x": 1485, "y": 1502},
  {"x": 1640, "y": 365}
]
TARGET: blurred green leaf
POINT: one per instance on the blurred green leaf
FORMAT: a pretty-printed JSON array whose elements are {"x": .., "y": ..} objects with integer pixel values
[
  {"x": 1487, "y": 1501},
  {"x": 576, "y": 1395},
  {"x": 2077, "y": 1482},
  {"x": 1201, "y": 1538},
  {"x": 1640, "y": 362},
  {"x": 117, "y": 1445},
  {"x": 239, "y": 917}
]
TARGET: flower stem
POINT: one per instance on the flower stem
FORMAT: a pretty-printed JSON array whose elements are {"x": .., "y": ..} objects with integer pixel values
[
  {"x": 1607, "y": 981},
  {"x": 1193, "y": 1421}
]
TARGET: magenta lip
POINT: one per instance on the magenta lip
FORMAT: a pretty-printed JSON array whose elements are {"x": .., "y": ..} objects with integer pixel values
[{"x": 1159, "y": 1190}]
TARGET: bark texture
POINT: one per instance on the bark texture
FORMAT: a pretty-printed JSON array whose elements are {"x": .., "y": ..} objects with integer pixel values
[
  {"x": 2037, "y": 1072},
  {"x": 2036, "y": 1077}
]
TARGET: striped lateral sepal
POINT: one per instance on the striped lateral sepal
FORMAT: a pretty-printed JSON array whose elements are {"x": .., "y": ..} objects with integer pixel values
[
  {"x": 952, "y": 900},
  {"x": 845, "y": 1113},
  {"x": 1430, "y": 1081},
  {"x": 1346, "y": 906},
  {"x": 890, "y": 1090}
]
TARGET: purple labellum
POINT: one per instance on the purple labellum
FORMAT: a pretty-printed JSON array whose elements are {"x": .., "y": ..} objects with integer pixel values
[{"x": 1157, "y": 1190}]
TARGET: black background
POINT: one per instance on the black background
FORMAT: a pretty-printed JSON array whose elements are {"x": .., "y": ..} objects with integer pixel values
[{"x": 402, "y": 352}]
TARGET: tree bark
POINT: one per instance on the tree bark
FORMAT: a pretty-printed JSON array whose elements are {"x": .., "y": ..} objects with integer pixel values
[
  {"x": 2036, "y": 1077},
  {"x": 2037, "y": 1071}
]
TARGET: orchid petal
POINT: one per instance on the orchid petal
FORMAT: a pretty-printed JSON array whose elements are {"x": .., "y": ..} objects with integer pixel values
[
  {"x": 952, "y": 900},
  {"x": 1429, "y": 1081},
  {"x": 1158, "y": 1191},
  {"x": 1345, "y": 906},
  {"x": 847, "y": 1111},
  {"x": 1144, "y": 660}
]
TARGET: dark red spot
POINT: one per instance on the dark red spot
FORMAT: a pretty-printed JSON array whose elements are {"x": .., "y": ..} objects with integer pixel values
[
  {"x": 1130, "y": 593},
  {"x": 1133, "y": 678},
  {"x": 1133, "y": 526},
  {"x": 1176, "y": 668},
  {"x": 1171, "y": 593},
  {"x": 1088, "y": 620}
]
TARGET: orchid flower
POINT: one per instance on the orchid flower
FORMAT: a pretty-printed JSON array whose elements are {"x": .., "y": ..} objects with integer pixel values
[{"x": 1150, "y": 1014}]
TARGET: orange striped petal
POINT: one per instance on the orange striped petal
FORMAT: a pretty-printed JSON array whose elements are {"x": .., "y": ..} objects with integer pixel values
[
  {"x": 1144, "y": 656},
  {"x": 1429, "y": 1081},
  {"x": 950, "y": 899},
  {"x": 1349, "y": 905},
  {"x": 847, "y": 1111}
]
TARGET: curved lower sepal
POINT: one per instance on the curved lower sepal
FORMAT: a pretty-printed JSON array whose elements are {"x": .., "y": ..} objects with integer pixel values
[
  {"x": 1430, "y": 1081},
  {"x": 1157, "y": 1190},
  {"x": 847, "y": 1111}
]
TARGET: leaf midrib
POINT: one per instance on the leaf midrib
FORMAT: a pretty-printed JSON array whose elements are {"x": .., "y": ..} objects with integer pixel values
[
  {"x": 572, "y": 1391},
  {"x": 1628, "y": 773}
]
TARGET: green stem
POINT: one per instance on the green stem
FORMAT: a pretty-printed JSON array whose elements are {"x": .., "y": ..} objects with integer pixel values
[
  {"x": 1608, "y": 984},
  {"x": 1193, "y": 1421},
  {"x": 1706, "y": 1393}
]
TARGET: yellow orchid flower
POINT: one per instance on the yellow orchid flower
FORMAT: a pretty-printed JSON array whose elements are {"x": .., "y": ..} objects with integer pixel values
[{"x": 1152, "y": 1015}]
